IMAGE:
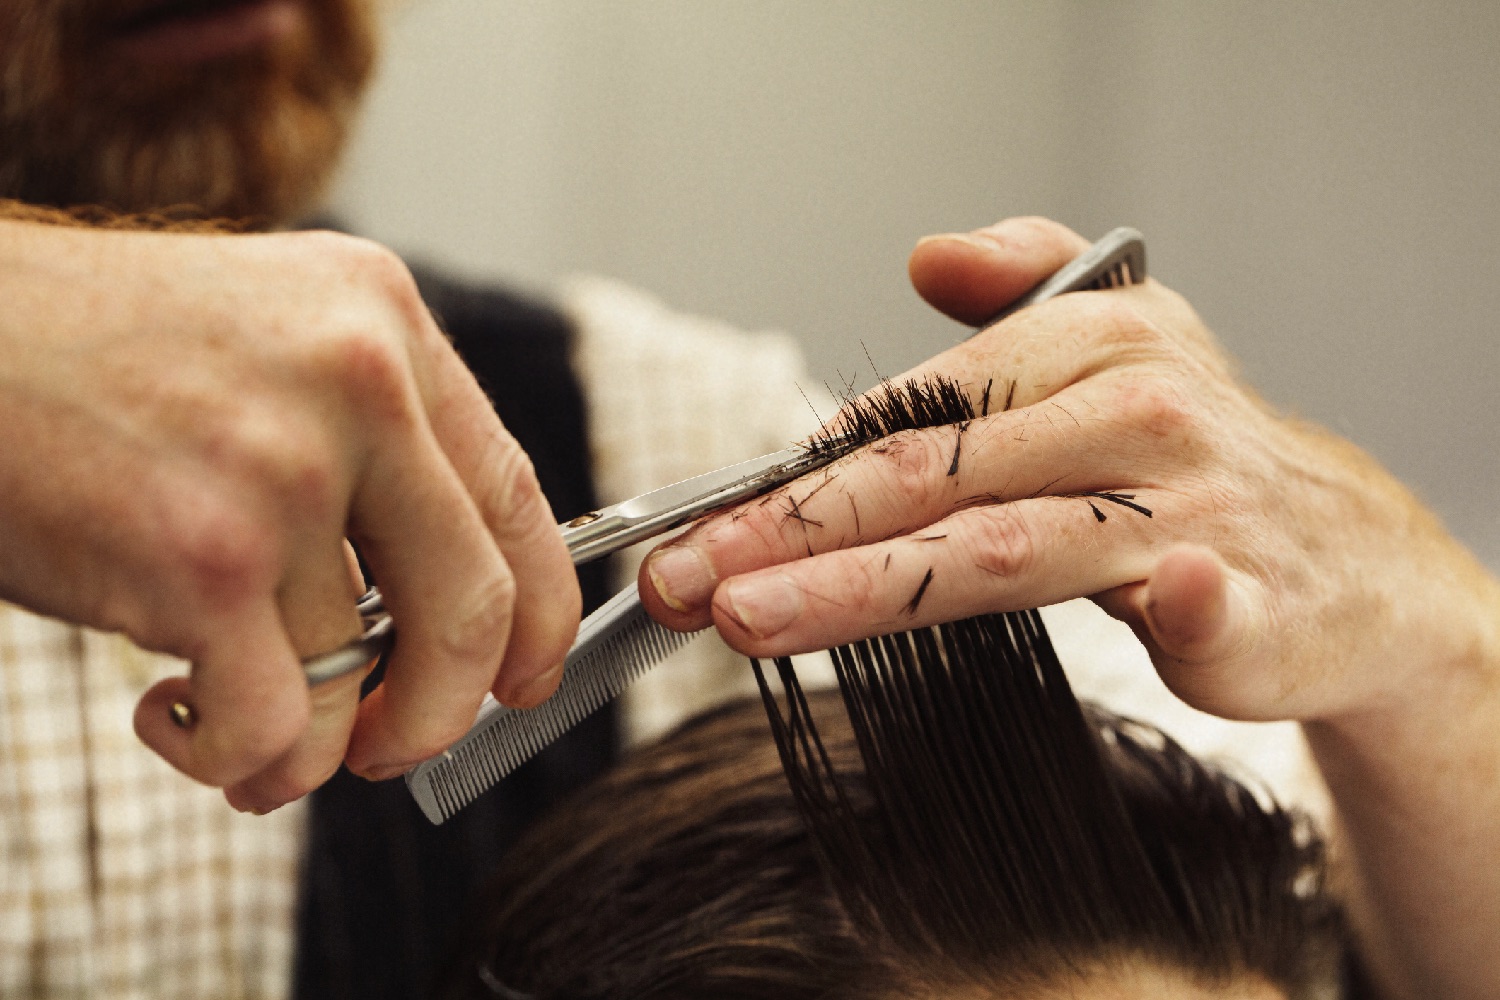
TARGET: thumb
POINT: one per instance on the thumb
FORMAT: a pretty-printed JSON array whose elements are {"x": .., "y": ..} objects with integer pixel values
[
  {"x": 1200, "y": 624},
  {"x": 1193, "y": 614},
  {"x": 972, "y": 276}
]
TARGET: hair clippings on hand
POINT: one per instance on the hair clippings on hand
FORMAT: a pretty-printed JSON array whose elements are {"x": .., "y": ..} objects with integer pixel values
[{"x": 623, "y": 641}]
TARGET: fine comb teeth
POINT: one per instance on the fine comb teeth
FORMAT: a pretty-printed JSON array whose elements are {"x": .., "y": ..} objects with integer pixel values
[
  {"x": 1119, "y": 258},
  {"x": 616, "y": 644}
]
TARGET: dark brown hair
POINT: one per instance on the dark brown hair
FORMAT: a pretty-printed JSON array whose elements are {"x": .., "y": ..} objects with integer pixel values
[{"x": 952, "y": 819}]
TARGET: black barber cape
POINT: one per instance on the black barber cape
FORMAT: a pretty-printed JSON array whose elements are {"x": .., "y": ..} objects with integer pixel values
[{"x": 383, "y": 891}]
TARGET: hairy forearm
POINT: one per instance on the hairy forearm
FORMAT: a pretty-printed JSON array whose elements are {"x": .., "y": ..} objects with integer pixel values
[{"x": 1416, "y": 781}]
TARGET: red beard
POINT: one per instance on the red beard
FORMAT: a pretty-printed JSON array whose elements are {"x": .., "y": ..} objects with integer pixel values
[{"x": 252, "y": 135}]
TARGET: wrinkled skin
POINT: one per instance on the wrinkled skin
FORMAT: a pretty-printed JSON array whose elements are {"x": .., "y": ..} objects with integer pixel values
[
  {"x": 193, "y": 424},
  {"x": 196, "y": 497},
  {"x": 1282, "y": 574},
  {"x": 1228, "y": 583}
]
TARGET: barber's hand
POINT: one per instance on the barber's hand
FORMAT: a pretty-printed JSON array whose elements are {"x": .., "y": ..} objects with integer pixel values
[
  {"x": 191, "y": 425},
  {"x": 1281, "y": 574}
]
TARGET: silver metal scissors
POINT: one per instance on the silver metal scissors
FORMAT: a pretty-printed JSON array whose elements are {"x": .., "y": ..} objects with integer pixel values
[
  {"x": 601, "y": 533},
  {"x": 1117, "y": 259}
]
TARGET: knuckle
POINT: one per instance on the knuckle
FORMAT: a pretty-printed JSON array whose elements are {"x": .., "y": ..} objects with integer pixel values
[
  {"x": 559, "y": 626},
  {"x": 359, "y": 344},
  {"x": 318, "y": 247},
  {"x": 860, "y": 580},
  {"x": 761, "y": 529},
  {"x": 513, "y": 494},
  {"x": 477, "y": 632},
  {"x": 363, "y": 259},
  {"x": 291, "y": 781},
  {"x": 224, "y": 554},
  {"x": 389, "y": 272},
  {"x": 434, "y": 732},
  {"x": 1002, "y": 542},
  {"x": 1160, "y": 410},
  {"x": 283, "y": 464},
  {"x": 1118, "y": 321},
  {"x": 436, "y": 738},
  {"x": 370, "y": 368},
  {"x": 1106, "y": 330},
  {"x": 226, "y": 754},
  {"x": 384, "y": 271},
  {"x": 913, "y": 465}
]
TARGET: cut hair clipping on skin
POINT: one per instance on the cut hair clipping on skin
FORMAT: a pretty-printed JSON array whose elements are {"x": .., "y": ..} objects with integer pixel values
[{"x": 891, "y": 407}]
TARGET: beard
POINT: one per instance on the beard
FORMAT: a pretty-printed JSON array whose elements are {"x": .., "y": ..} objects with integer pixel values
[{"x": 254, "y": 136}]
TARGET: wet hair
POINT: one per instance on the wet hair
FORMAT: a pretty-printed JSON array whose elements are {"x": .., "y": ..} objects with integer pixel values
[{"x": 950, "y": 820}]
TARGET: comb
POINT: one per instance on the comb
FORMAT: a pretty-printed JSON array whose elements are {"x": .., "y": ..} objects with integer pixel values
[
  {"x": 1117, "y": 259},
  {"x": 619, "y": 641},
  {"x": 615, "y": 645}
]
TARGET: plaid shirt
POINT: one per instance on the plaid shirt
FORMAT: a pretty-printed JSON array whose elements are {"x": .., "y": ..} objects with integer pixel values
[{"x": 121, "y": 877}]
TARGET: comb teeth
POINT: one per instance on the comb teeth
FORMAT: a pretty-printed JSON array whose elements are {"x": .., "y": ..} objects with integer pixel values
[
  {"x": 615, "y": 645},
  {"x": 1117, "y": 259},
  {"x": 1117, "y": 276}
]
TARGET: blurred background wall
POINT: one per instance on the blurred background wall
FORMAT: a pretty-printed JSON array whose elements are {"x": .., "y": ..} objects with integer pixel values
[{"x": 1321, "y": 180}]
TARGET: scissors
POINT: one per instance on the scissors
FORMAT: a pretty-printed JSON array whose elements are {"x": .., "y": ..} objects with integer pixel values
[{"x": 1117, "y": 259}]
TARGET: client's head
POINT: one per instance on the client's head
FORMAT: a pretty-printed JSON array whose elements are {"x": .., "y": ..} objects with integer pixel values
[{"x": 941, "y": 830}]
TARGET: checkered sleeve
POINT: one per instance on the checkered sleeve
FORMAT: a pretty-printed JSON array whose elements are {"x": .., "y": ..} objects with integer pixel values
[{"x": 121, "y": 877}]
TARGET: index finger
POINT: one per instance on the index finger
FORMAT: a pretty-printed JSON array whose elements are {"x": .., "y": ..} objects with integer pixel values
[{"x": 1061, "y": 421}]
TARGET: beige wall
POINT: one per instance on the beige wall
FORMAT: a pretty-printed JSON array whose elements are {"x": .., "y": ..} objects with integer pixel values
[{"x": 1320, "y": 179}]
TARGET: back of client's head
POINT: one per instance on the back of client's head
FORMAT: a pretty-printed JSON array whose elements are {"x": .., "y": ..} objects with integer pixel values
[{"x": 952, "y": 824}]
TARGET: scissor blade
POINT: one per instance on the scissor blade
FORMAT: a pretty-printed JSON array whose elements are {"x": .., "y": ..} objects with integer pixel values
[{"x": 610, "y": 529}]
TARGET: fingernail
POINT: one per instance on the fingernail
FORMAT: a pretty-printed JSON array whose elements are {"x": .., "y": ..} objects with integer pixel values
[
  {"x": 533, "y": 692},
  {"x": 385, "y": 772},
  {"x": 764, "y": 606},
  {"x": 978, "y": 240},
  {"x": 254, "y": 808},
  {"x": 682, "y": 576}
]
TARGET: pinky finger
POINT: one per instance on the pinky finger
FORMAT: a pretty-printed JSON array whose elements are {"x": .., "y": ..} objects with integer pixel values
[{"x": 1202, "y": 625}]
